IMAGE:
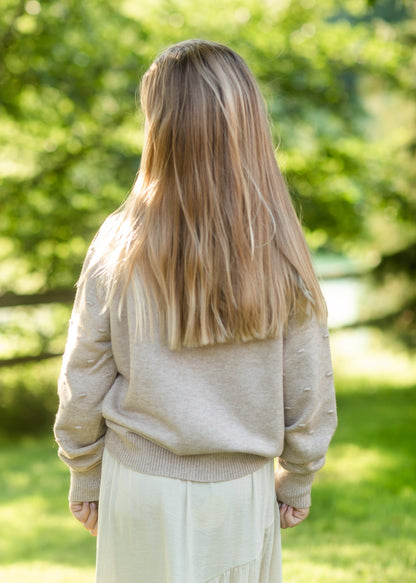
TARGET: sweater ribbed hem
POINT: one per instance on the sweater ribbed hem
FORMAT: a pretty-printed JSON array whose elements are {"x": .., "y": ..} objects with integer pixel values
[
  {"x": 85, "y": 486},
  {"x": 293, "y": 488},
  {"x": 142, "y": 455}
]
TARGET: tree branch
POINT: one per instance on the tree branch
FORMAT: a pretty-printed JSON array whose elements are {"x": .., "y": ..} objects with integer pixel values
[
  {"x": 58, "y": 296},
  {"x": 26, "y": 359}
]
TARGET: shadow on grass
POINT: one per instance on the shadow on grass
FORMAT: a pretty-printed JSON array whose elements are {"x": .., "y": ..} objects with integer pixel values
[{"x": 383, "y": 417}]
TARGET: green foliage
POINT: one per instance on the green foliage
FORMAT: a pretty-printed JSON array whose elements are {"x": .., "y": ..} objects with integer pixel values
[
  {"x": 73, "y": 140},
  {"x": 338, "y": 79},
  {"x": 68, "y": 114},
  {"x": 28, "y": 398}
]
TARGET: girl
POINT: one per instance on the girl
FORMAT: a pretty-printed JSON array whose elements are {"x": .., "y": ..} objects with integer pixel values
[{"x": 198, "y": 350}]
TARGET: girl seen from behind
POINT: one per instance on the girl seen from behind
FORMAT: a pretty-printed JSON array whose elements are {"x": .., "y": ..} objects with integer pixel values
[{"x": 198, "y": 349}]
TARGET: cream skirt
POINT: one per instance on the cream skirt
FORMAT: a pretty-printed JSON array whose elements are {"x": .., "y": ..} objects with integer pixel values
[{"x": 154, "y": 529}]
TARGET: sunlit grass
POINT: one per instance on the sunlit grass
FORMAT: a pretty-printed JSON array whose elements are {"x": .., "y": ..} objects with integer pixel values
[
  {"x": 45, "y": 573},
  {"x": 39, "y": 540}
]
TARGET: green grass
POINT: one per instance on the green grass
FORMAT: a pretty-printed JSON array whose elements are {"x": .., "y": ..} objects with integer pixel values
[
  {"x": 362, "y": 524},
  {"x": 361, "y": 529},
  {"x": 39, "y": 540}
]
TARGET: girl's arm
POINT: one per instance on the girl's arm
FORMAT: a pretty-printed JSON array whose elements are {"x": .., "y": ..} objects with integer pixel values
[
  {"x": 310, "y": 410},
  {"x": 88, "y": 371}
]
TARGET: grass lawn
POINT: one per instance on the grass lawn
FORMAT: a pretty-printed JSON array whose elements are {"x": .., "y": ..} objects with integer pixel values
[
  {"x": 39, "y": 540},
  {"x": 361, "y": 529},
  {"x": 362, "y": 526}
]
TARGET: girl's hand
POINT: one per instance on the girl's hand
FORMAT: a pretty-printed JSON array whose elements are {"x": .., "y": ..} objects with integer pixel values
[
  {"x": 290, "y": 516},
  {"x": 87, "y": 514}
]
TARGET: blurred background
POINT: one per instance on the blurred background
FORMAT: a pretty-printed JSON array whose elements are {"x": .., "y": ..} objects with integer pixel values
[{"x": 339, "y": 79}]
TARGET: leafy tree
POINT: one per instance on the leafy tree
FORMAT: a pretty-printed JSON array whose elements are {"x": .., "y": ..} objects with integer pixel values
[{"x": 338, "y": 79}]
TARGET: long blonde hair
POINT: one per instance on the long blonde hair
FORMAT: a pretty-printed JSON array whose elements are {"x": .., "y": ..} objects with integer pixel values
[{"x": 208, "y": 233}]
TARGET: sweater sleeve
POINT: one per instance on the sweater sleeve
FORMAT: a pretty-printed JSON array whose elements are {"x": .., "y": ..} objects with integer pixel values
[
  {"x": 87, "y": 373},
  {"x": 309, "y": 408}
]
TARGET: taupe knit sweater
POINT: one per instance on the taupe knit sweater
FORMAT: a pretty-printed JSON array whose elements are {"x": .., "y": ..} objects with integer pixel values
[{"x": 205, "y": 414}]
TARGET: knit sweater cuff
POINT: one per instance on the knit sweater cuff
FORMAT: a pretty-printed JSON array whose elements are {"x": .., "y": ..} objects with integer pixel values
[
  {"x": 85, "y": 486},
  {"x": 293, "y": 488}
]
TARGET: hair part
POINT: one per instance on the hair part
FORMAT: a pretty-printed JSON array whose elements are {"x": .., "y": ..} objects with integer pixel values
[{"x": 208, "y": 234}]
